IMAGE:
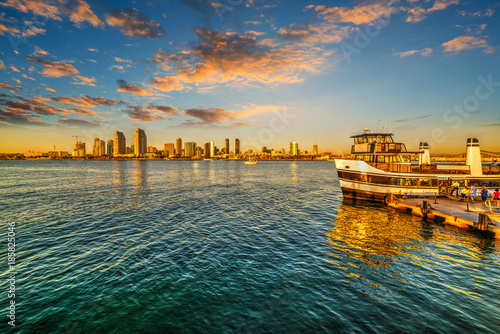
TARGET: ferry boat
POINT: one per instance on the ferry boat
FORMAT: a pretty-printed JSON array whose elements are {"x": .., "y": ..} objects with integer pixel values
[{"x": 379, "y": 166}]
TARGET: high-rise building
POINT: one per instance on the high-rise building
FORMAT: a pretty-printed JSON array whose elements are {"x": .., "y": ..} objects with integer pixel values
[
  {"x": 119, "y": 144},
  {"x": 294, "y": 148},
  {"x": 315, "y": 149},
  {"x": 95, "y": 151},
  {"x": 226, "y": 146},
  {"x": 178, "y": 147},
  {"x": 110, "y": 147},
  {"x": 189, "y": 149},
  {"x": 169, "y": 149},
  {"x": 102, "y": 148},
  {"x": 140, "y": 142},
  {"x": 152, "y": 149},
  {"x": 236, "y": 146},
  {"x": 209, "y": 149},
  {"x": 199, "y": 151}
]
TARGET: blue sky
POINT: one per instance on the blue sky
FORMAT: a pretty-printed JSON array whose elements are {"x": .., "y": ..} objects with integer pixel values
[{"x": 266, "y": 72}]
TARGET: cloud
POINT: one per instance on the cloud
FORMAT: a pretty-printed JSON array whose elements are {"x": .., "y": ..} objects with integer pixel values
[
  {"x": 11, "y": 30},
  {"x": 27, "y": 77},
  {"x": 125, "y": 87},
  {"x": 52, "y": 90},
  {"x": 164, "y": 109},
  {"x": 419, "y": 13},
  {"x": 40, "y": 8},
  {"x": 423, "y": 52},
  {"x": 87, "y": 101},
  {"x": 79, "y": 11},
  {"x": 119, "y": 68},
  {"x": 360, "y": 14},
  {"x": 463, "y": 43},
  {"x": 81, "y": 80},
  {"x": 140, "y": 114},
  {"x": 7, "y": 86},
  {"x": 92, "y": 50},
  {"x": 35, "y": 105},
  {"x": 84, "y": 111},
  {"x": 77, "y": 122},
  {"x": 2, "y": 65},
  {"x": 53, "y": 68},
  {"x": 40, "y": 51},
  {"x": 31, "y": 31},
  {"x": 309, "y": 34},
  {"x": 209, "y": 115},
  {"x": 238, "y": 59},
  {"x": 120, "y": 60},
  {"x": 14, "y": 69},
  {"x": 166, "y": 84},
  {"x": 134, "y": 23},
  {"x": 18, "y": 116}
]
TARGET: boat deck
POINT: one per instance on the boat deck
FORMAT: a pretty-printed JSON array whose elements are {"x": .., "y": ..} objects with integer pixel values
[{"x": 452, "y": 211}]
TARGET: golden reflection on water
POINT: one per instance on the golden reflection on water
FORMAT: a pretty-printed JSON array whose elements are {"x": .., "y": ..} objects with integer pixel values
[{"x": 369, "y": 241}]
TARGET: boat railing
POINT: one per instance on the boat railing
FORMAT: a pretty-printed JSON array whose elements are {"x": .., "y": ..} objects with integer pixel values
[
  {"x": 392, "y": 166},
  {"x": 441, "y": 169}
]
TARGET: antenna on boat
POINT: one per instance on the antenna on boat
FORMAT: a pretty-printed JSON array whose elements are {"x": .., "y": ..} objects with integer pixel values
[
  {"x": 385, "y": 126},
  {"x": 378, "y": 126}
]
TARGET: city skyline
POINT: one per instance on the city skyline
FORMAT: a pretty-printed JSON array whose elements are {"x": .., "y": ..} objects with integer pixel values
[{"x": 266, "y": 73}]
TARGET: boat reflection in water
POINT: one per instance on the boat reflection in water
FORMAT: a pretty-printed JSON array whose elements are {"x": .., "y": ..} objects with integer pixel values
[{"x": 385, "y": 253}]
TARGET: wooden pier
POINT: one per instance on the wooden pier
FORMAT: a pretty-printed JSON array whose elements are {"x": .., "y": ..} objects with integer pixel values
[{"x": 482, "y": 216}]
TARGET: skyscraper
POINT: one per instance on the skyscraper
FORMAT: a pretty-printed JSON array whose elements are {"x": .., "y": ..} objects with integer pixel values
[
  {"x": 236, "y": 146},
  {"x": 95, "y": 151},
  {"x": 119, "y": 144},
  {"x": 294, "y": 148},
  {"x": 110, "y": 147},
  {"x": 178, "y": 147},
  {"x": 102, "y": 148},
  {"x": 226, "y": 147},
  {"x": 315, "y": 149},
  {"x": 140, "y": 142},
  {"x": 209, "y": 149},
  {"x": 189, "y": 149},
  {"x": 169, "y": 149}
]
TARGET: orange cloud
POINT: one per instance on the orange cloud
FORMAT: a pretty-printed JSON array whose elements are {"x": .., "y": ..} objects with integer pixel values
[
  {"x": 2, "y": 65},
  {"x": 134, "y": 23},
  {"x": 86, "y": 101},
  {"x": 37, "y": 7},
  {"x": 209, "y": 115},
  {"x": 125, "y": 87},
  {"x": 308, "y": 34},
  {"x": 10, "y": 30},
  {"x": 52, "y": 90},
  {"x": 423, "y": 52},
  {"x": 166, "y": 84},
  {"x": 80, "y": 12},
  {"x": 419, "y": 13},
  {"x": 360, "y": 14},
  {"x": 14, "y": 69},
  {"x": 240, "y": 59},
  {"x": 463, "y": 43},
  {"x": 7, "y": 86},
  {"x": 81, "y": 80},
  {"x": 53, "y": 68}
]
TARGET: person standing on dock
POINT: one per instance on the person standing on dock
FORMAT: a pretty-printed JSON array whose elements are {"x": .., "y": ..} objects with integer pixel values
[
  {"x": 484, "y": 194},
  {"x": 473, "y": 193},
  {"x": 454, "y": 188},
  {"x": 465, "y": 193},
  {"x": 496, "y": 197}
]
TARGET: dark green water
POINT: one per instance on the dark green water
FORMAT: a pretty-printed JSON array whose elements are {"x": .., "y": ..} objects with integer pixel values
[{"x": 222, "y": 247}]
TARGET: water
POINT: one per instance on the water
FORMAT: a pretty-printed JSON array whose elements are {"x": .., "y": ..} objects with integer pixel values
[{"x": 222, "y": 247}]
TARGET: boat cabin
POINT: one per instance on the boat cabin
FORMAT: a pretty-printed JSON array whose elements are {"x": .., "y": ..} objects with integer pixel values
[{"x": 379, "y": 147}]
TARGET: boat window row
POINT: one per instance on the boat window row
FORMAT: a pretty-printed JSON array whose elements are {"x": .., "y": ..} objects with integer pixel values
[
  {"x": 383, "y": 158},
  {"x": 373, "y": 139},
  {"x": 387, "y": 180}
]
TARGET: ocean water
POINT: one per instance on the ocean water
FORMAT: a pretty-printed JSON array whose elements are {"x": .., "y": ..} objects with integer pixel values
[{"x": 222, "y": 247}]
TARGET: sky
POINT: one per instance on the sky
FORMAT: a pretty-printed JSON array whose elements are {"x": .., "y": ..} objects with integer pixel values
[{"x": 266, "y": 72}]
